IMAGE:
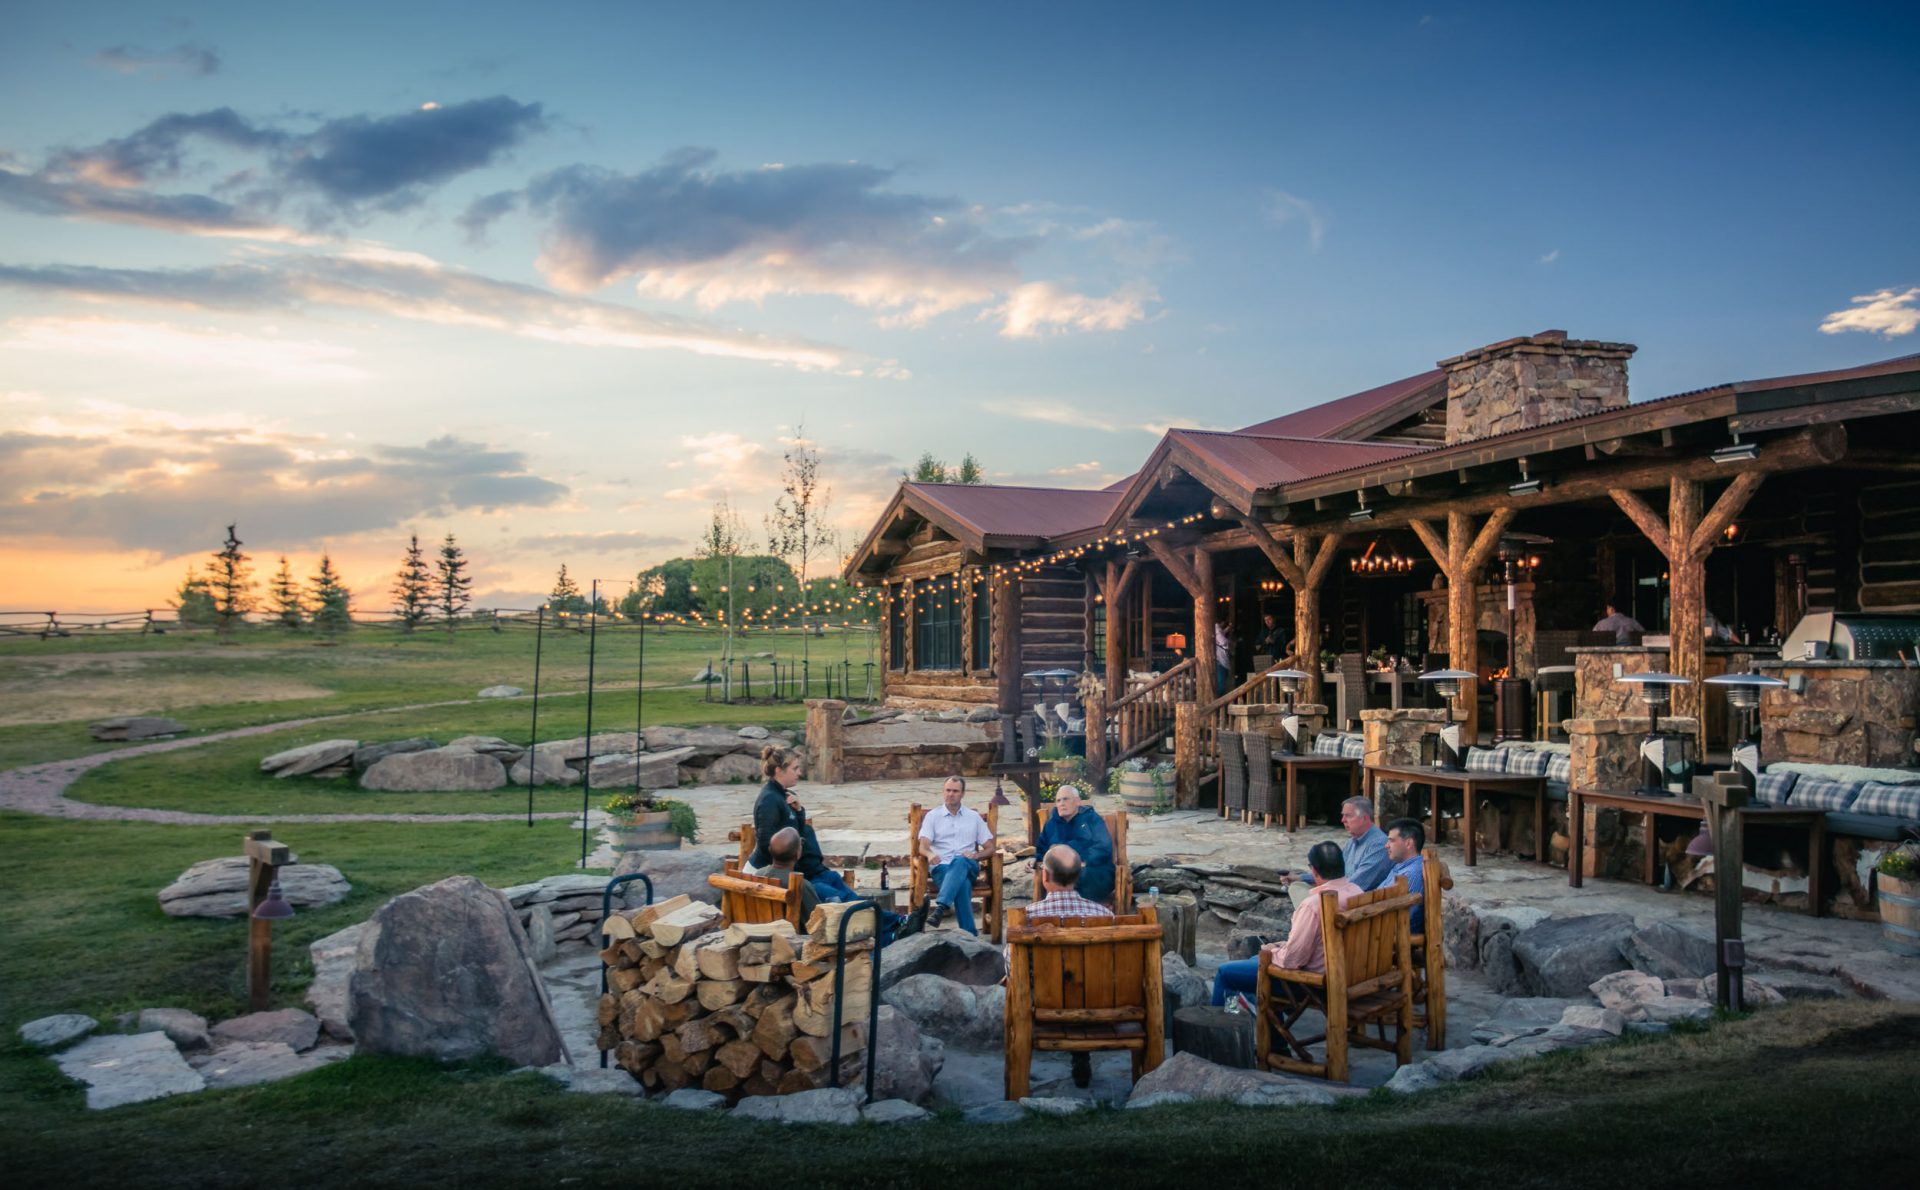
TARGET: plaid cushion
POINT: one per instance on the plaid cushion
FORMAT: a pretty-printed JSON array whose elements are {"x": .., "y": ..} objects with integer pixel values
[
  {"x": 1486, "y": 760},
  {"x": 1326, "y": 744},
  {"x": 1353, "y": 747},
  {"x": 1818, "y": 793},
  {"x": 1560, "y": 768},
  {"x": 1894, "y": 801},
  {"x": 1775, "y": 787},
  {"x": 1529, "y": 763}
]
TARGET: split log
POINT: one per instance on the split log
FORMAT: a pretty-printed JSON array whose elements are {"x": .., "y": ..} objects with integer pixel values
[
  {"x": 617, "y": 928},
  {"x": 825, "y": 922},
  {"x": 858, "y": 981},
  {"x": 1846, "y": 866},
  {"x": 649, "y": 949},
  {"x": 649, "y": 968},
  {"x": 649, "y": 1020},
  {"x": 760, "y": 1085},
  {"x": 851, "y": 1068},
  {"x": 813, "y": 1053},
  {"x": 741, "y": 933},
  {"x": 608, "y": 1009},
  {"x": 644, "y": 917},
  {"x": 697, "y": 1035},
  {"x": 720, "y": 1080},
  {"x": 698, "y": 1064},
  {"x": 716, "y": 958},
  {"x": 625, "y": 979},
  {"x": 771, "y": 1071},
  {"x": 686, "y": 962},
  {"x": 650, "y": 1076},
  {"x": 668, "y": 988},
  {"x": 741, "y": 1057},
  {"x": 799, "y": 973},
  {"x": 757, "y": 972},
  {"x": 673, "y": 1075},
  {"x": 635, "y": 1056},
  {"x": 672, "y": 1051},
  {"x": 735, "y": 1018},
  {"x": 785, "y": 948},
  {"x": 719, "y": 993},
  {"x": 775, "y": 1030},
  {"x": 826, "y": 952},
  {"x": 687, "y": 922},
  {"x": 755, "y": 953},
  {"x": 761, "y": 996},
  {"x": 818, "y": 1022},
  {"x": 611, "y": 957},
  {"x": 608, "y": 1038}
]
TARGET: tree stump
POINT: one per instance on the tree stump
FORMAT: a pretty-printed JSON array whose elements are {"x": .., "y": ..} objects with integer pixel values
[
  {"x": 1216, "y": 1035},
  {"x": 1179, "y": 923}
]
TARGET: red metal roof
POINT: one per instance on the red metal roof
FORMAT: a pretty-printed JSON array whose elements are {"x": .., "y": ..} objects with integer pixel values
[
  {"x": 992, "y": 510},
  {"x": 1255, "y": 461},
  {"x": 1327, "y": 420}
]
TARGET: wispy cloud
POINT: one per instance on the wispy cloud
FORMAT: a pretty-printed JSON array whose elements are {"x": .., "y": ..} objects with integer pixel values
[
  {"x": 615, "y": 541},
  {"x": 1282, "y": 207},
  {"x": 1041, "y": 308},
  {"x": 1059, "y": 413},
  {"x": 181, "y": 59},
  {"x": 195, "y": 348},
  {"x": 1888, "y": 313},
  {"x": 1551, "y": 256}
]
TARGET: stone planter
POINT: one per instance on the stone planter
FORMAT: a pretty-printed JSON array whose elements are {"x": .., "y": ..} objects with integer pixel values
[
  {"x": 649, "y": 831},
  {"x": 1137, "y": 792},
  {"x": 1900, "y": 914}
]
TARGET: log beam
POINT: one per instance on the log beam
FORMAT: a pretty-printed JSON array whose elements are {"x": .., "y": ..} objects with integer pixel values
[{"x": 1204, "y": 676}]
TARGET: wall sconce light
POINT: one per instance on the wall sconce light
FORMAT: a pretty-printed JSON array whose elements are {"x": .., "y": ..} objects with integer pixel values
[{"x": 1528, "y": 486}]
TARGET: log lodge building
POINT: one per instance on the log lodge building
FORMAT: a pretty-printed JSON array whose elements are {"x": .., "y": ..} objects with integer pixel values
[{"x": 1395, "y": 520}]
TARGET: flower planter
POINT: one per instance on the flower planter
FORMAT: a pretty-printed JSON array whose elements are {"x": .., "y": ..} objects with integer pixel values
[
  {"x": 1900, "y": 914},
  {"x": 650, "y": 831},
  {"x": 1137, "y": 792}
]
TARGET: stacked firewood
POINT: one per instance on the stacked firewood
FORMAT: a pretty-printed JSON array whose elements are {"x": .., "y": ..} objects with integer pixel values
[{"x": 738, "y": 1009}]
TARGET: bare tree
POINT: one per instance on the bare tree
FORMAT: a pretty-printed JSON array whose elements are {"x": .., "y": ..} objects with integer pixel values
[
  {"x": 797, "y": 529},
  {"x": 725, "y": 535}
]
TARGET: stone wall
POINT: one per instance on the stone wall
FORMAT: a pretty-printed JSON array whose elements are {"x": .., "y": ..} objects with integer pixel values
[
  {"x": 1490, "y": 609},
  {"x": 1532, "y": 381},
  {"x": 1606, "y": 755},
  {"x": 1393, "y": 737},
  {"x": 1850, "y": 713},
  {"x": 909, "y": 746}
]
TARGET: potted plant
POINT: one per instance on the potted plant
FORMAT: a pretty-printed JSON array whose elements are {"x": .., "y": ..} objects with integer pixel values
[
  {"x": 643, "y": 822},
  {"x": 1898, "y": 876},
  {"x": 1143, "y": 788}
]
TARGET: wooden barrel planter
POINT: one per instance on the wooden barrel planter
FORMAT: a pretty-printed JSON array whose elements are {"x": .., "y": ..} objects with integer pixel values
[
  {"x": 1900, "y": 914},
  {"x": 1137, "y": 792},
  {"x": 651, "y": 831}
]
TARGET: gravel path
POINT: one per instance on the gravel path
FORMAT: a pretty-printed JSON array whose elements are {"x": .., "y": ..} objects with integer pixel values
[{"x": 42, "y": 788}]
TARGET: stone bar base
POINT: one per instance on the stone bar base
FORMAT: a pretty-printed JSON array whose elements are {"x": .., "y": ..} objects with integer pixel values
[
  {"x": 1859, "y": 712},
  {"x": 1393, "y": 737}
]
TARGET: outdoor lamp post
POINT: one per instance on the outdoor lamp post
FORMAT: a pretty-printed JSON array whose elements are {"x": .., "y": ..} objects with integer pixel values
[
  {"x": 1743, "y": 695},
  {"x": 1446, "y": 683},
  {"x": 1665, "y": 766},
  {"x": 267, "y": 905},
  {"x": 1289, "y": 680}
]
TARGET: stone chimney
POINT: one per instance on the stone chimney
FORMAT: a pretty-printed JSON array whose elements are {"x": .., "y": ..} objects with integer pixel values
[{"x": 1532, "y": 381}]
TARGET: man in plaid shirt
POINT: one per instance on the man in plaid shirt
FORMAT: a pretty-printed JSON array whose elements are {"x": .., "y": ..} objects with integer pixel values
[{"x": 1059, "y": 873}]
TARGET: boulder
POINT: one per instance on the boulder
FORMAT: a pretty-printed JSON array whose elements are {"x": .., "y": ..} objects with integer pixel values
[
  {"x": 333, "y": 958},
  {"x": 540, "y": 934},
  {"x": 753, "y": 731},
  {"x": 1254, "y": 930},
  {"x": 1462, "y": 933},
  {"x": 1563, "y": 956},
  {"x": 675, "y": 873},
  {"x": 441, "y": 770},
  {"x": 1496, "y": 960},
  {"x": 491, "y": 745},
  {"x": 1451, "y": 1066},
  {"x": 446, "y": 972},
  {"x": 1623, "y": 991},
  {"x": 50, "y": 1032},
  {"x": 956, "y": 1013},
  {"x": 308, "y": 758},
  {"x": 950, "y": 954},
  {"x": 129, "y": 1068},
  {"x": 645, "y": 770},
  {"x": 1521, "y": 1016},
  {"x": 904, "y": 1063},
  {"x": 368, "y": 755},
  {"x": 1167, "y": 880},
  {"x": 135, "y": 727},
  {"x": 983, "y": 715},
  {"x": 1158, "y": 1099},
  {"x": 1185, "y": 988},
  {"x": 894, "y": 1111},
  {"x": 1670, "y": 950},
  {"x": 1190, "y": 1074},
  {"x": 604, "y": 743},
  {"x": 502, "y": 692},
  {"x": 1595, "y": 1018},
  {"x": 297, "y": 1029},
  {"x": 1051, "y": 1106},
  {"x": 694, "y": 1099},
  {"x": 218, "y": 888},
  {"x": 733, "y": 769},
  {"x": 705, "y": 675},
  {"x": 828, "y": 1105},
  {"x": 544, "y": 768},
  {"x": 187, "y": 1030},
  {"x": 706, "y": 742},
  {"x": 245, "y": 1063}
]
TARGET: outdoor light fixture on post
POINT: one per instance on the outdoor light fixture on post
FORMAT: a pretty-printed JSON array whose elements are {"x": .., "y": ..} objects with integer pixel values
[
  {"x": 1743, "y": 695},
  {"x": 265, "y": 905},
  {"x": 1666, "y": 767},
  {"x": 1289, "y": 680},
  {"x": 1446, "y": 683}
]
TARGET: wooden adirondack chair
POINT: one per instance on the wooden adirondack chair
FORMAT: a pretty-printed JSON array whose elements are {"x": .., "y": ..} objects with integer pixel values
[
  {"x": 1122, "y": 901},
  {"x": 1233, "y": 776},
  {"x": 1368, "y": 981},
  {"x": 986, "y": 888},
  {"x": 749, "y": 900},
  {"x": 1430, "y": 954},
  {"x": 1083, "y": 985}
]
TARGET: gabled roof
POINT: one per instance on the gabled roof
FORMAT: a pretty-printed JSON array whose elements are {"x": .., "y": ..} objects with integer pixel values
[
  {"x": 989, "y": 516},
  {"x": 1234, "y": 467},
  {"x": 1361, "y": 414}
]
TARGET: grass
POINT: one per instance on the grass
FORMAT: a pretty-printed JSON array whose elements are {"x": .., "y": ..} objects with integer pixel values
[{"x": 1773, "y": 1100}]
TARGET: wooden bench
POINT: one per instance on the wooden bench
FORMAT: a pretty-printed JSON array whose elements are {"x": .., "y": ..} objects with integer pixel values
[
  {"x": 986, "y": 887},
  {"x": 1122, "y": 900},
  {"x": 1368, "y": 981},
  {"x": 1430, "y": 961},
  {"x": 1083, "y": 985},
  {"x": 750, "y": 900}
]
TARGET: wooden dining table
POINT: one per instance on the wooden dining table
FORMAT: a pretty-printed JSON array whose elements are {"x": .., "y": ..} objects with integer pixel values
[
  {"x": 1289, "y": 766},
  {"x": 1470, "y": 783}
]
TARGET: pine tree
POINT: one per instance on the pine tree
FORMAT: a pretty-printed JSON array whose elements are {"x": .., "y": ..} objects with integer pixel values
[
  {"x": 970, "y": 471},
  {"x": 413, "y": 587},
  {"x": 287, "y": 605},
  {"x": 928, "y": 470},
  {"x": 455, "y": 589},
  {"x": 332, "y": 611},
  {"x": 566, "y": 595},
  {"x": 194, "y": 603},
  {"x": 230, "y": 583}
]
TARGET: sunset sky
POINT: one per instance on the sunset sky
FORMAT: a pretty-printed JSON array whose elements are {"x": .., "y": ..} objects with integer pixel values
[{"x": 557, "y": 277}]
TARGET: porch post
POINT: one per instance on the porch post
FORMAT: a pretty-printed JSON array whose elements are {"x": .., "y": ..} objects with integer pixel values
[
  {"x": 1006, "y": 645},
  {"x": 1460, "y": 556},
  {"x": 1206, "y": 683}
]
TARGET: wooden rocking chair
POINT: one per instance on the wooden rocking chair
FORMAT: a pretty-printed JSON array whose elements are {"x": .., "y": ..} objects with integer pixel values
[
  {"x": 986, "y": 887},
  {"x": 1083, "y": 985},
  {"x": 1122, "y": 900},
  {"x": 1368, "y": 981},
  {"x": 1430, "y": 954}
]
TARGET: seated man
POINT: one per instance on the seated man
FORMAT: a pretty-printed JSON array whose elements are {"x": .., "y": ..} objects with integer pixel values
[
  {"x": 1304, "y": 949},
  {"x": 954, "y": 839},
  {"x": 1406, "y": 838},
  {"x": 1062, "y": 873},
  {"x": 784, "y": 853},
  {"x": 1364, "y": 854},
  {"x": 1083, "y": 830}
]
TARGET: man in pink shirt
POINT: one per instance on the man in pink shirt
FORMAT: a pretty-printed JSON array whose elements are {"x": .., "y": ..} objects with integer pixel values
[{"x": 1305, "y": 949}]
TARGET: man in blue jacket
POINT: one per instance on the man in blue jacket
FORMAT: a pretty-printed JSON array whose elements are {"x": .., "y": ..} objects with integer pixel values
[{"x": 1083, "y": 830}]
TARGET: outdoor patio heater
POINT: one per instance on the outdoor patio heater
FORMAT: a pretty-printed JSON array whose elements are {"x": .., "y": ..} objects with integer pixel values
[
  {"x": 1513, "y": 694},
  {"x": 1290, "y": 679},
  {"x": 1666, "y": 758},
  {"x": 1743, "y": 695},
  {"x": 1445, "y": 750}
]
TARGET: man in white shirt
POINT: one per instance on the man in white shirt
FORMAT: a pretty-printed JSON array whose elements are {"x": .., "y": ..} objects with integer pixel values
[{"x": 954, "y": 839}]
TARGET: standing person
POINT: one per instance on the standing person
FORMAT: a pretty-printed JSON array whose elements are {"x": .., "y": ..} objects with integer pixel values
[
  {"x": 1223, "y": 653},
  {"x": 1083, "y": 830},
  {"x": 954, "y": 839},
  {"x": 1272, "y": 641},
  {"x": 776, "y": 808},
  {"x": 1620, "y": 624}
]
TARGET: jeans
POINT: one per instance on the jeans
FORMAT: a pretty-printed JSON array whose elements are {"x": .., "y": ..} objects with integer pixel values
[
  {"x": 832, "y": 888},
  {"x": 1239, "y": 975},
  {"x": 953, "y": 882}
]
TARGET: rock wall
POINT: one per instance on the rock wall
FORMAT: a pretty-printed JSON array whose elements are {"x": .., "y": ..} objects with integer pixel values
[
  {"x": 1393, "y": 737},
  {"x": 1848, "y": 714},
  {"x": 1532, "y": 381}
]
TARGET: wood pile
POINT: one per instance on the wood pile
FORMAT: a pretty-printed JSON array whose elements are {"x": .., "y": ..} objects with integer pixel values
[{"x": 739, "y": 1009}]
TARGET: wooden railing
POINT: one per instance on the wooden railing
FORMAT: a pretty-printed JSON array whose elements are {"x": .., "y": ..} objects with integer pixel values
[
  {"x": 1144, "y": 717},
  {"x": 1213, "y": 718}
]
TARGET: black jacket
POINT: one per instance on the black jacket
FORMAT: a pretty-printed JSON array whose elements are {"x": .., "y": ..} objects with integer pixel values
[{"x": 772, "y": 814}]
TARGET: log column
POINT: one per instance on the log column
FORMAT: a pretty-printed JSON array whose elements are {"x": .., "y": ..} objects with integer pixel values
[
  {"x": 1006, "y": 644},
  {"x": 1304, "y": 571},
  {"x": 1206, "y": 681},
  {"x": 1461, "y": 555}
]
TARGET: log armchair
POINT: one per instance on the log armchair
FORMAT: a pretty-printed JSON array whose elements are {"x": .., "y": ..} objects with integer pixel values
[
  {"x": 986, "y": 888},
  {"x": 748, "y": 840},
  {"x": 1430, "y": 953},
  {"x": 750, "y": 900},
  {"x": 1368, "y": 981},
  {"x": 1122, "y": 900},
  {"x": 1083, "y": 985}
]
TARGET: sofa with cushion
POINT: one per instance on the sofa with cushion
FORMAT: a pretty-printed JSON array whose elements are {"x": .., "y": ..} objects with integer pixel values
[{"x": 1867, "y": 803}]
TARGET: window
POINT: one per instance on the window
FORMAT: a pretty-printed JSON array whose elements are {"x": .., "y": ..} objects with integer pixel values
[
  {"x": 1100, "y": 634},
  {"x": 982, "y": 625},
  {"x": 937, "y": 608},
  {"x": 896, "y": 628}
]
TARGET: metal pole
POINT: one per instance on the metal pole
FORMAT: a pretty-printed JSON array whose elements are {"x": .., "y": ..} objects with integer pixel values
[
  {"x": 533, "y": 733},
  {"x": 606, "y": 910},
  {"x": 839, "y": 988},
  {"x": 640, "y": 681},
  {"x": 586, "y": 783}
]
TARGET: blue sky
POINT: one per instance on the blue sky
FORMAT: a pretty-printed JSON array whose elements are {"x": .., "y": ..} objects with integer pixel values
[{"x": 556, "y": 278}]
